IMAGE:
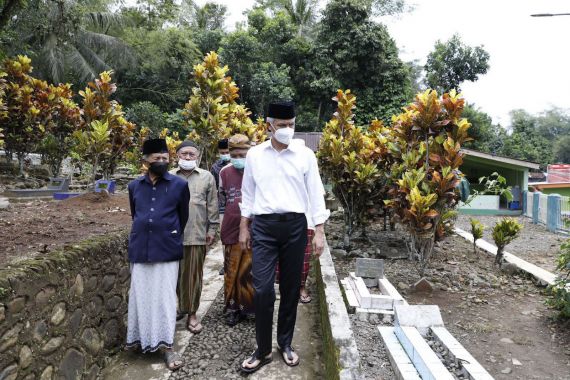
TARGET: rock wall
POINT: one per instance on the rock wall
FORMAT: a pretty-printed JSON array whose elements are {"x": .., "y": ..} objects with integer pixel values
[{"x": 63, "y": 313}]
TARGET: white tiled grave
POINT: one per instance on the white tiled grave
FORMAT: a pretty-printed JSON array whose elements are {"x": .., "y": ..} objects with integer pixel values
[
  {"x": 410, "y": 354},
  {"x": 359, "y": 297}
]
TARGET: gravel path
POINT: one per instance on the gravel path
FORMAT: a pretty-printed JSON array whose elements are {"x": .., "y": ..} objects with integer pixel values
[
  {"x": 217, "y": 352},
  {"x": 535, "y": 244}
]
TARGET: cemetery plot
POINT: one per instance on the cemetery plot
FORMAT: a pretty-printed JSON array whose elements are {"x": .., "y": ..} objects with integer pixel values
[
  {"x": 500, "y": 318},
  {"x": 359, "y": 295},
  {"x": 37, "y": 227}
]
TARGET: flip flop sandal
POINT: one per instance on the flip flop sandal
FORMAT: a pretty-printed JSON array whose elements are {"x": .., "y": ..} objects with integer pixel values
[
  {"x": 171, "y": 357},
  {"x": 305, "y": 299},
  {"x": 262, "y": 361},
  {"x": 195, "y": 328},
  {"x": 287, "y": 350}
]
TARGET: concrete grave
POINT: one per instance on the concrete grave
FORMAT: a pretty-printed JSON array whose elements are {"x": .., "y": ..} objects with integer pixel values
[
  {"x": 412, "y": 357},
  {"x": 370, "y": 270},
  {"x": 55, "y": 185},
  {"x": 421, "y": 317},
  {"x": 359, "y": 297}
]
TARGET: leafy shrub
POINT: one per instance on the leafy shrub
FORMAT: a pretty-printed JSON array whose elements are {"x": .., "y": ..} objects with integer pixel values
[
  {"x": 504, "y": 232},
  {"x": 560, "y": 291},
  {"x": 477, "y": 231},
  {"x": 425, "y": 154},
  {"x": 495, "y": 184},
  {"x": 351, "y": 156}
]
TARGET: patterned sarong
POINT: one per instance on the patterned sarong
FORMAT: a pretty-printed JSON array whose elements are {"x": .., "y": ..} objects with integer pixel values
[
  {"x": 238, "y": 281},
  {"x": 152, "y": 306}
]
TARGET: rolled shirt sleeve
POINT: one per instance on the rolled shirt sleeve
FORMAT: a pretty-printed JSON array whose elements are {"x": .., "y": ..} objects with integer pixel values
[
  {"x": 318, "y": 212},
  {"x": 247, "y": 188}
]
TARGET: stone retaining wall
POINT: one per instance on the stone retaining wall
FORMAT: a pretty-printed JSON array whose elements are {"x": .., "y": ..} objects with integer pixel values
[{"x": 61, "y": 314}]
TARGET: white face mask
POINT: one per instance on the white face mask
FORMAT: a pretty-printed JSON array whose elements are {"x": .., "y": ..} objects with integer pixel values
[
  {"x": 284, "y": 135},
  {"x": 187, "y": 164}
]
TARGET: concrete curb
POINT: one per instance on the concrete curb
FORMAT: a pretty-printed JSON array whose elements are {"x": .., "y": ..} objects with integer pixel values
[
  {"x": 342, "y": 360},
  {"x": 543, "y": 276}
]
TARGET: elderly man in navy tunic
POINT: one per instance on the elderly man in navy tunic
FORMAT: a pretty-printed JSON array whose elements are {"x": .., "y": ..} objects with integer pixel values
[
  {"x": 159, "y": 208},
  {"x": 281, "y": 189}
]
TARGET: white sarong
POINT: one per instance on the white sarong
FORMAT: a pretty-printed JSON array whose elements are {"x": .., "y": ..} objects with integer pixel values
[{"x": 152, "y": 305}]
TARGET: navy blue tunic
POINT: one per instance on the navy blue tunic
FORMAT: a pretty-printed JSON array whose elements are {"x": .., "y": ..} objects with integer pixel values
[{"x": 159, "y": 213}]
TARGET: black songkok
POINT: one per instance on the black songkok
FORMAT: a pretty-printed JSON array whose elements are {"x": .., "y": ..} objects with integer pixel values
[
  {"x": 223, "y": 144},
  {"x": 281, "y": 110},
  {"x": 155, "y": 146}
]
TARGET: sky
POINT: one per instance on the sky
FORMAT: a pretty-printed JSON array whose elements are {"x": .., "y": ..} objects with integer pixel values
[{"x": 529, "y": 56}]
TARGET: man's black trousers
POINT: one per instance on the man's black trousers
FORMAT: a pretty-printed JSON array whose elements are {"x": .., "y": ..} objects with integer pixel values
[{"x": 277, "y": 238}]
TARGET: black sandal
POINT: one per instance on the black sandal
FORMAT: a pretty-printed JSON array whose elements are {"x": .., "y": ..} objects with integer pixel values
[
  {"x": 262, "y": 361},
  {"x": 288, "y": 350}
]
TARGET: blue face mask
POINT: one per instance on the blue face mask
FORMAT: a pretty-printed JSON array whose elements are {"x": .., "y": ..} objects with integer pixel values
[
  {"x": 238, "y": 163},
  {"x": 225, "y": 157}
]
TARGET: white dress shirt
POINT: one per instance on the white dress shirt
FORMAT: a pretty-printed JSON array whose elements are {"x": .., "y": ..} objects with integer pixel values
[{"x": 279, "y": 182}]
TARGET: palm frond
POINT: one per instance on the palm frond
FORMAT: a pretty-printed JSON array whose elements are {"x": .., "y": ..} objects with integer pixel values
[
  {"x": 53, "y": 58},
  {"x": 102, "y": 21},
  {"x": 105, "y": 45},
  {"x": 81, "y": 65}
]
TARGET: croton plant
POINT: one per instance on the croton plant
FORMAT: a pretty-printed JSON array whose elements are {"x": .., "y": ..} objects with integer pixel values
[
  {"x": 424, "y": 145},
  {"x": 351, "y": 157},
  {"x": 212, "y": 112}
]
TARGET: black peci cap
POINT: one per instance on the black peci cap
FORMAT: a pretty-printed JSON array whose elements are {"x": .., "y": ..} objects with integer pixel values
[
  {"x": 155, "y": 146},
  {"x": 223, "y": 144},
  {"x": 281, "y": 110}
]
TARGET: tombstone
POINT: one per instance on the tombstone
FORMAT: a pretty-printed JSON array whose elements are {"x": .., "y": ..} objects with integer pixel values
[
  {"x": 105, "y": 185},
  {"x": 59, "y": 184},
  {"x": 370, "y": 270}
]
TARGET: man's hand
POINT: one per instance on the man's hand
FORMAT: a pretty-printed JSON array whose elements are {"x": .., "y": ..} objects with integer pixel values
[
  {"x": 210, "y": 239},
  {"x": 319, "y": 240},
  {"x": 244, "y": 236}
]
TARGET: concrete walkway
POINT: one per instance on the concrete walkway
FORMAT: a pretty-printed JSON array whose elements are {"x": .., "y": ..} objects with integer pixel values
[
  {"x": 216, "y": 352},
  {"x": 128, "y": 365}
]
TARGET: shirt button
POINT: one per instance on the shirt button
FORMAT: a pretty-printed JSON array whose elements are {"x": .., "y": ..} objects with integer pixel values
[
  {"x": 153, "y": 199},
  {"x": 150, "y": 220},
  {"x": 150, "y": 231},
  {"x": 154, "y": 188},
  {"x": 151, "y": 209}
]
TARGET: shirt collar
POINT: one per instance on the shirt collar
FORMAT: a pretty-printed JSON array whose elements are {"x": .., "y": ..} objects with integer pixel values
[
  {"x": 293, "y": 146},
  {"x": 167, "y": 176},
  {"x": 195, "y": 171}
]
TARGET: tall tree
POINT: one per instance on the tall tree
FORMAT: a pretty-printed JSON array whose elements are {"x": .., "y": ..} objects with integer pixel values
[
  {"x": 525, "y": 142},
  {"x": 453, "y": 62},
  {"x": 303, "y": 13},
  {"x": 562, "y": 150},
  {"x": 71, "y": 40},
  {"x": 352, "y": 51}
]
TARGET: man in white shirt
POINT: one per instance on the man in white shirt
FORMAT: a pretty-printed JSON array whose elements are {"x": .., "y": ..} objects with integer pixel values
[{"x": 281, "y": 188}]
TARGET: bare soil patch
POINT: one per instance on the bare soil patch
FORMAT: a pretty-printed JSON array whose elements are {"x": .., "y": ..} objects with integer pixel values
[
  {"x": 37, "y": 227},
  {"x": 499, "y": 318}
]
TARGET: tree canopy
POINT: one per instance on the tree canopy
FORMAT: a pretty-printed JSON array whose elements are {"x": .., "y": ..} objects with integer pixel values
[{"x": 453, "y": 62}]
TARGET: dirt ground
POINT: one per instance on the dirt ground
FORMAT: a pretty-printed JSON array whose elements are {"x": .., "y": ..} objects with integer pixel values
[
  {"x": 499, "y": 318},
  {"x": 535, "y": 244},
  {"x": 37, "y": 227}
]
